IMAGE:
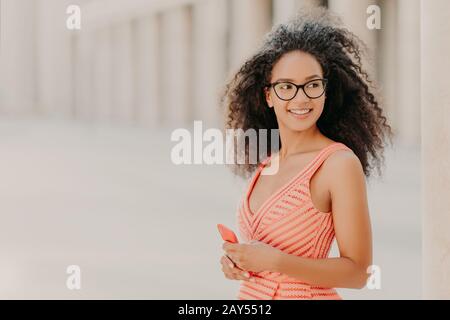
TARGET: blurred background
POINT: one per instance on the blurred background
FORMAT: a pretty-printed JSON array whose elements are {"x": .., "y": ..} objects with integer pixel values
[{"x": 86, "y": 119}]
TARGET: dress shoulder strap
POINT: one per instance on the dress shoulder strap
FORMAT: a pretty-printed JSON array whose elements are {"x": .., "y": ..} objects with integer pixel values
[{"x": 328, "y": 151}]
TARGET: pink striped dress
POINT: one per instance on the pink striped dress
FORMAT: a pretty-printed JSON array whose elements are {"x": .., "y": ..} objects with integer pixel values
[{"x": 288, "y": 221}]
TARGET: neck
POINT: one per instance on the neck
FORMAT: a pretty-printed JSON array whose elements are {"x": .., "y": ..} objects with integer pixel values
[{"x": 293, "y": 142}]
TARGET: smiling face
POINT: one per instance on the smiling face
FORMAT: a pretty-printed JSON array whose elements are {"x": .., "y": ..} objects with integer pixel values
[{"x": 298, "y": 68}]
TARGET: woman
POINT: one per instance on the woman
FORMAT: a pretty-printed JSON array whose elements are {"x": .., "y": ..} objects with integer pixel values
[{"x": 306, "y": 81}]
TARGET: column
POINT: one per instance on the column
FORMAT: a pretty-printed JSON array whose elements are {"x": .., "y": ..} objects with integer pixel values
[
  {"x": 354, "y": 15},
  {"x": 176, "y": 61},
  {"x": 83, "y": 64},
  {"x": 283, "y": 10},
  {"x": 408, "y": 61},
  {"x": 209, "y": 44},
  {"x": 387, "y": 61},
  {"x": 123, "y": 107},
  {"x": 102, "y": 77},
  {"x": 147, "y": 70},
  {"x": 18, "y": 52},
  {"x": 250, "y": 20},
  {"x": 53, "y": 58},
  {"x": 435, "y": 115}
]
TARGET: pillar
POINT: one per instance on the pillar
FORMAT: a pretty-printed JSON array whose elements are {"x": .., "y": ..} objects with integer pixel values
[
  {"x": 17, "y": 56},
  {"x": 176, "y": 62},
  {"x": 354, "y": 16},
  {"x": 53, "y": 59},
  {"x": 283, "y": 10},
  {"x": 408, "y": 62},
  {"x": 250, "y": 20},
  {"x": 102, "y": 78},
  {"x": 209, "y": 44},
  {"x": 147, "y": 71},
  {"x": 83, "y": 66},
  {"x": 387, "y": 62},
  {"x": 123, "y": 102},
  {"x": 435, "y": 115}
]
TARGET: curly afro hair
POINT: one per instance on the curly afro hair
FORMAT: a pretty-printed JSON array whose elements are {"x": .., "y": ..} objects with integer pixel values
[{"x": 351, "y": 115}]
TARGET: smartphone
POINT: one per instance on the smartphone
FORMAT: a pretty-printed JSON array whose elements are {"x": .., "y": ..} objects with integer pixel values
[{"x": 227, "y": 234}]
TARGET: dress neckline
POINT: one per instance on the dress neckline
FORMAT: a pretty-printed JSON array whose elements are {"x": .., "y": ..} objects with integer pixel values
[{"x": 284, "y": 186}]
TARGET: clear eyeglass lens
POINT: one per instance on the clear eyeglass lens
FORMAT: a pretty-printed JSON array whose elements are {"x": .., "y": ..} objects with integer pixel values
[
  {"x": 314, "y": 88},
  {"x": 287, "y": 91}
]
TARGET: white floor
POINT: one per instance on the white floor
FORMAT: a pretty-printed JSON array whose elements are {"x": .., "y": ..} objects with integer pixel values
[{"x": 109, "y": 200}]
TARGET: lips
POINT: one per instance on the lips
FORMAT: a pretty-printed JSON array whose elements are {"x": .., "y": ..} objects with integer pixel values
[{"x": 302, "y": 111}]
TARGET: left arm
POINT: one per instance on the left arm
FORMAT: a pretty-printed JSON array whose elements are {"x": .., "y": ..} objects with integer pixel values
[{"x": 352, "y": 229}]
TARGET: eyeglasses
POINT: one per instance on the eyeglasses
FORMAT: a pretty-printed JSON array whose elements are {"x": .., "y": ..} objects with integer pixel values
[{"x": 287, "y": 90}]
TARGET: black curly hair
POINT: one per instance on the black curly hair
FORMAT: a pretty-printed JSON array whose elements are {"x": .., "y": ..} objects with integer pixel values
[{"x": 352, "y": 115}]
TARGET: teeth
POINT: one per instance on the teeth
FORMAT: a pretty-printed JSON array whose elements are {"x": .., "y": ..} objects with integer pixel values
[{"x": 300, "y": 111}]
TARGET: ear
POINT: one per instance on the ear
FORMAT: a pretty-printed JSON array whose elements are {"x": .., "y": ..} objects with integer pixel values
[{"x": 268, "y": 97}]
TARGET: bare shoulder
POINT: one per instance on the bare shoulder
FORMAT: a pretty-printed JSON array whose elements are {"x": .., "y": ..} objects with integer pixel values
[
  {"x": 343, "y": 158},
  {"x": 343, "y": 164}
]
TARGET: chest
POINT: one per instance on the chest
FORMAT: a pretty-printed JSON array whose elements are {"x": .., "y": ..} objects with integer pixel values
[{"x": 266, "y": 186}]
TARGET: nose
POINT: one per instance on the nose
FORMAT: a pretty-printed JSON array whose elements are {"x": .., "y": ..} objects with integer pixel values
[{"x": 300, "y": 97}]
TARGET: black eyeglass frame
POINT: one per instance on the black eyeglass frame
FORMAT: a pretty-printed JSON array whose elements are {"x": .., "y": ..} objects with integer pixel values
[{"x": 298, "y": 86}]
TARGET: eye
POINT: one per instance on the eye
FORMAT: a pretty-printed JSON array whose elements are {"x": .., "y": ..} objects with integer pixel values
[
  {"x": 314, "y": 84},
  {"x": 285, "y": 86}
]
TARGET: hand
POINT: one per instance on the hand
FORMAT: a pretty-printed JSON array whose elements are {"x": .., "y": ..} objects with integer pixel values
[
  {"x": 232, "y": 272},
  {"x": 254, "y": 256}
]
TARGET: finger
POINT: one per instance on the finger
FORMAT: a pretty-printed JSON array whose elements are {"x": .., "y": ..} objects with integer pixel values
[
  {"x": 246, "y": 275},
  {"x": 235, "y": 276},
  {"x": 228, "y": 246},
  {"x": 224, "y": 260},
  {"x": 234, "y": 272},
  {"x": 242, "y": 277},
  {"x": 235, "y": 259},
  {"x": 230, "y": 274},
  {"x": 241, "y": 274},
  {"x": 226, "y": 266},
  {"x": 228, "y": 261}
]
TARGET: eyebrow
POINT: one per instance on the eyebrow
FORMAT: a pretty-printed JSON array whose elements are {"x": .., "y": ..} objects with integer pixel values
[{"x": 292, "y": 80}]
